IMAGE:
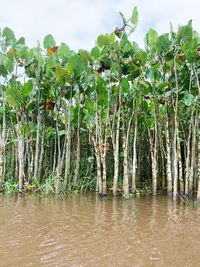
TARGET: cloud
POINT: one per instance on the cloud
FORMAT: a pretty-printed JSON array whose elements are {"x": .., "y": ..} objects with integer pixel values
[{"x": 79, "y": 22}]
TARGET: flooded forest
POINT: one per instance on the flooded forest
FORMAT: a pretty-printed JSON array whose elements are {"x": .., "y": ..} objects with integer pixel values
[
  {"x": 100, "y": 150},
  {"x": 118, "y": 119}
]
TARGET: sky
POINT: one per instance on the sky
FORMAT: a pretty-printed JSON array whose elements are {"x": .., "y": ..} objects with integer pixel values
[{"x": 79, "y": 22}]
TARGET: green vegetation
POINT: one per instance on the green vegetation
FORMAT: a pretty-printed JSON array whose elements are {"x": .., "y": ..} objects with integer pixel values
[{"x": 115, "y": 118}]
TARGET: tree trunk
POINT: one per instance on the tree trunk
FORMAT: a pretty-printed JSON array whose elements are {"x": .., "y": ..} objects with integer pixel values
[
  {"x": 193, "y": 156},
  {"x": 68, "y": 147},
  {"x": 37, "y": 147},
  {"x": 1, "y": 163},
  {"x": 41, "y": 156},
  {"x": 77, "y": 162},
  {"x": 180, "y": 172},
  {"x": 104, "y": 185},
  {"x": 3, "y": 149},
  {"x": 169, "y": 162},
  {"x": 134, "y": 162},
  {"x": 175, "y": 154},
  {"x": 21, "y": 147},
  {"x": 116, "y": 155},
  {"x": 198, "y": 172}
]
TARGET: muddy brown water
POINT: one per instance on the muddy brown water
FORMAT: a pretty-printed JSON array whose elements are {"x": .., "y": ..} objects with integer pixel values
[{"x": 91, "y": 231}]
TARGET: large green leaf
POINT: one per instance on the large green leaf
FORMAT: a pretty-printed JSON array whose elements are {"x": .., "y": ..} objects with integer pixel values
[
  {"x": 163, "y": 43},
  {"x": 3, "y": 71},
  {"x": 21, "y": 41},
  {"x": 27, "y": 88},
  {"x": 63, "y": 51},
  {"x": 185, "y": 33},
  {"x": 95, "y": 52},
  {"x": 49, "y": 41},
  {"x": 102, "y": 40},
  {"x": 9, "y": 64},
  {"x": 75, "y": 65},
  {"x": 14, "y": 97},
  {"x": 188, "y": 99},
  {"x": 90, "y": 105},
  {"x": 151, "y": 38},
  {"x": 9, "y": 36},
  {"x": 125, "y": 85},
  {"x": 84, "y": 55}
]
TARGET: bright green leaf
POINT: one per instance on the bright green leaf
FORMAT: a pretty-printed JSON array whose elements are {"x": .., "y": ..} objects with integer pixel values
[
  {"x": 9, "y": 36},
  {"x": 188, "y": 99},
  {"x": 49, "y": 41},
  {"x": 63, "y": 51},
  {"x": 134, "y": 18}
]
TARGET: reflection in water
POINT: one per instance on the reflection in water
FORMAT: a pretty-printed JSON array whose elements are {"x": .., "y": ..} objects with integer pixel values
[{"x": 93, "y": 231}]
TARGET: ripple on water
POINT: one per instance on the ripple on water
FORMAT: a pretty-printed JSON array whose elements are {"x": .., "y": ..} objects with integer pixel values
[{"x": 90, "y": 231}]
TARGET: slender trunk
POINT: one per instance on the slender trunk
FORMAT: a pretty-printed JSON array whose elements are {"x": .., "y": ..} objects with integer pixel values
[
  {"x": 126, "y": 165},
  {"x": 41, "y": 156},
  {"x": 54, "y": 152},
  {"x": 175, "y": 154},
  {"x": 1, "y": 162},
  {"x": 3, "y": 149},
  {"x": 68, "y": 146},
  {"x": 154, "y": 169},
  {"x": 154, "y": 148},
  {"x": 180, "y": 168},
  {"x": 21, "y": 147},
  {"x": 188, "y": 157},
  {"x": 198, "y": 172},
  {"x": 58, "y": 166},
  {"x": 193, "y": 155},
  {"x": 77, "y": 163},
  {"x": 30, "y": 158},
  {"x": 116, "y": 156},
  {"x": 104, "y": 185},
  {"x": 134, "y": 162},
  {"x": 116, "y": 141},
  {"x": 16, "y": 162},
  {"x": 169, "y": 162},
  {"x": 99, "y": 184},
  {"x": 37, "y": 146}
]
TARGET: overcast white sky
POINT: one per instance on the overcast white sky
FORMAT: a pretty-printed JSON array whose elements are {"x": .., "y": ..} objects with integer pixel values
[{"x": 79, "y": 22}]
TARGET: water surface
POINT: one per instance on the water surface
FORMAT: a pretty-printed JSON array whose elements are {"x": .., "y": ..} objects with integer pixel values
[{"x": 91, "y": 231}]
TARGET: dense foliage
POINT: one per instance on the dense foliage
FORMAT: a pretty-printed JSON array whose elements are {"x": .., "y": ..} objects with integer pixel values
[{"x": 118, "y": 117}]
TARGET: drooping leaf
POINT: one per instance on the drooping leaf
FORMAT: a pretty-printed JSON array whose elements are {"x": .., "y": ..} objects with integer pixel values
[
  {"x": 134, "y": 17},
  {"x": 123, "y": 18},
  {"x": 61, "y": 132}
]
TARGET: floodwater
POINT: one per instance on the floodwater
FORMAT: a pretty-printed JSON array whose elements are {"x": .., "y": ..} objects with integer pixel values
[{"x": 92, "y": 231}]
